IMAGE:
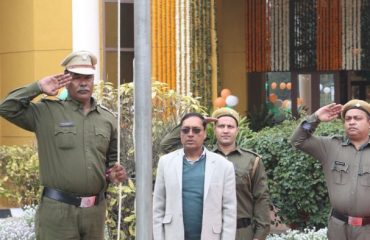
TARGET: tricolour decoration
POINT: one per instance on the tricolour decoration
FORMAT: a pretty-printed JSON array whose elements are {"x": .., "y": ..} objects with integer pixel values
[{"x": 226, "y": 99}]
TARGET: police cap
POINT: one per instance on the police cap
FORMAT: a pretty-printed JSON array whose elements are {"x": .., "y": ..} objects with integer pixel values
[
  {"x": 225, "y": 111},
  {"x": 81, "y": 62},
  {"x": 356, "y": 104}
]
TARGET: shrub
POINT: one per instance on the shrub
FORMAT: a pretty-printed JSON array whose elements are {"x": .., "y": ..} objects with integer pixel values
[
  {"x": 19, "y": 167},
  {"x": 296, "y": 181}
]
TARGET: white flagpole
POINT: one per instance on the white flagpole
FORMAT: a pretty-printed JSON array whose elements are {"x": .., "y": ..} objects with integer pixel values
[{"x": 119, "y": 114}]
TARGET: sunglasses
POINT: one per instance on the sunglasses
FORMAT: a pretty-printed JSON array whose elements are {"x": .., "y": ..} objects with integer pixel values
[{"x": 195, "y": 130}]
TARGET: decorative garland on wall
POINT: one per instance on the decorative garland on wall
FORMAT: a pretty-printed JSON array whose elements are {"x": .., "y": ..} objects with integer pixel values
[
  {"x": 163, "y": 42},
  {"x": 201, "y": 51},
  {"x": 257, "y": 36},
  {"x": 303, "y": 35},
  {"x": 279, "y": 32},
  {"x": 184, "y": 46},
  {"x": 329, "y": 35},
  {"x": 365, "y": 35},
  {"x": 351, "y": 45}
]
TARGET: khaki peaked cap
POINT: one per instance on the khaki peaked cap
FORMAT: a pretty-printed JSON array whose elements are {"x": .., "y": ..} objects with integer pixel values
[
  {"x": 225, "y": 111},
  {"x": 356, "y": 104},
  {"x": 80, "y": 62}
]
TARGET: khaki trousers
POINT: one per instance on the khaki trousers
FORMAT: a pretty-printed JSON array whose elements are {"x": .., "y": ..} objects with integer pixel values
[
  {"x": 339, "y": 230},
  {"x": 56, "y": 220},
  {"x": 244, "y": 233}
]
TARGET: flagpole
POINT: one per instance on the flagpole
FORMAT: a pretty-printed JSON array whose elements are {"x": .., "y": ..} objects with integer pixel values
[{"x": 143, "y": 119}]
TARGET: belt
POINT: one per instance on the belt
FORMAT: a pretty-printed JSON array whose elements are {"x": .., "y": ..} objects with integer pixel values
[
  {"x": 243, "y": 222},
  {"x": 354, "y": 221},
  {"x": 72, "y": 199}
]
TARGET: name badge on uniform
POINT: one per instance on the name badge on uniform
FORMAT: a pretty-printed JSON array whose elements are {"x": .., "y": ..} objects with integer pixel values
[
  {"x": 339, "y": 163},
  {"x": 66, "y": 124}
]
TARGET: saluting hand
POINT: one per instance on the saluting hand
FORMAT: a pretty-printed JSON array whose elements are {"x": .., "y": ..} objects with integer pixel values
[
  {"x": 51, "y": 84},
  {"x": 210, "y": 119},
  {"x": 328, "y": 112}
]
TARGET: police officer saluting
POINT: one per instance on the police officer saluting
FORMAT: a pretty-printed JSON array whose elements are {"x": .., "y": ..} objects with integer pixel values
[
  {"x": 346, "y": 165},
  {"x": 77, "y": 147}
]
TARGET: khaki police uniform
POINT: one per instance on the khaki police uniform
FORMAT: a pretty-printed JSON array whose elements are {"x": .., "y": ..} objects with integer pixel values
[
  {"x": 253, "y": 202},
  {"x": 347, "y": 174},
  {"x": 253, "y": 207},
  {"x": 75, "y": 150}
]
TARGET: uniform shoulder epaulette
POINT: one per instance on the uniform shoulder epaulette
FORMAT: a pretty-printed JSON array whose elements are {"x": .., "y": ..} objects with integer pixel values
[
  {"x": 249, "y": 151},
  {"x": 50, "y": 100},
  {"x": 337, "y": 137},
  {"x": 256, "y": 160},
  {"x": 107, "y": 109}
]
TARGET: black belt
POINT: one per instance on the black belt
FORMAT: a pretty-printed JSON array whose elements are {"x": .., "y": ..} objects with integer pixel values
[
  {"x": 243, "y": 222},
  {"x": 354, "y": 221},
  {"x": 72, "y": 199}
]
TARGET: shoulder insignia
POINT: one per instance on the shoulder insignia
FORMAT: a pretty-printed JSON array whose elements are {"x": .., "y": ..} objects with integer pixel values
[
  {"x": 106, "y": 109},
  {"x": 251, "y": 152},
  {"x": 50, "y": 100},
  {"x": 337, "y": 137}
]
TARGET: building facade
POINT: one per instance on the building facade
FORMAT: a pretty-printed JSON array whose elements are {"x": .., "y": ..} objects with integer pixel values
[{"x": 282, "y": 53}]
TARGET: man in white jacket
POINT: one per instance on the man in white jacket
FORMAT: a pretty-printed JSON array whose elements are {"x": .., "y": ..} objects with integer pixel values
[{"x": 194, "y": 194}]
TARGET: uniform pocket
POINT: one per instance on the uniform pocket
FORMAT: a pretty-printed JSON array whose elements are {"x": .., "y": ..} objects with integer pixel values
[
  {"x": 365, "y": 176},
  {"x": 102, "y": 138},
  {"x": 242, "y": 178},
  {"x": 167, "y": 219},
  {"x": 65, "y": 137},
  {"x": 340, "y": 172},
  {"x": 217, "y": 229}
]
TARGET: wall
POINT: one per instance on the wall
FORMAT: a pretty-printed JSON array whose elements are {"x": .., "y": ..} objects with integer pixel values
[
  {"x": 35, "y": 37},
  {"x": 231, "y": 29}
]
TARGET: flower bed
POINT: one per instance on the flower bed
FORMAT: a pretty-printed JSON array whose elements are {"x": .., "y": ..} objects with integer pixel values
[
  {"x": 22, "y": 228},
  {"x": 307, "y": 234},
  {"x": 19, "y": 228}
]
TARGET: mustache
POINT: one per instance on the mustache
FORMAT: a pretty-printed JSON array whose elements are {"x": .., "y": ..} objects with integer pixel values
[{"x": 83, "y": 89}]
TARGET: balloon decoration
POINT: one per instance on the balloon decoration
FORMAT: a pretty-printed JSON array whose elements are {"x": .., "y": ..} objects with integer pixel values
[
  {"x": 225, "y": 93},
  {"x": 289, "y": 86},
  {"x": 326, "y": 90},
  {"x": 219, "y": 102},
  {"x": 299, "y": 101},
  {"x": 282, "y": 85},
  {"x": 273, "y": 85},
  {"x": 278, "y": 103},
  {"x": 287, "y": 104},
  {"x": 226, "y": 99},
  {"x": 231, "y": 101},
  {"x": 272, "y": 97}
]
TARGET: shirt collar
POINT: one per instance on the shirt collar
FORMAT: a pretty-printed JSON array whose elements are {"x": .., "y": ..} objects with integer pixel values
[
  {"x": 346, "y": 141},
  {"x": 217, "y": 149},
  {"x": 77, "y": 104},
  {"x": 200, "y": 157}
]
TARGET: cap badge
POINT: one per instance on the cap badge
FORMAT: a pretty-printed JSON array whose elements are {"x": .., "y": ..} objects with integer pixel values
[{"x": 358, "y": 104}]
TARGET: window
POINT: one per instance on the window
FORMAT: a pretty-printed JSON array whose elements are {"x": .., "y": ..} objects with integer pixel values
[
  {"x": 327, "y": 91},
  {"x": 278, "y": 94},
  {"x": 126, "y": 40}
]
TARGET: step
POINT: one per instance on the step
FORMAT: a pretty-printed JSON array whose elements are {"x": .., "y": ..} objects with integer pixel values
[{"x": 11, "y": 212}]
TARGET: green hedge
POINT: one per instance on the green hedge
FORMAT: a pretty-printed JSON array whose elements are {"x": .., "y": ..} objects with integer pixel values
[{"x": 19, "y": 178}]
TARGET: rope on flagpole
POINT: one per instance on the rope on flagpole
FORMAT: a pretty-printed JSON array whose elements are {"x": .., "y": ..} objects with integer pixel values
[{"x": 119, "y": 114}]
